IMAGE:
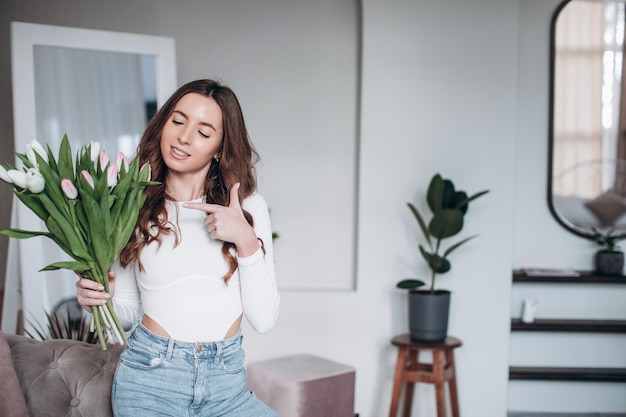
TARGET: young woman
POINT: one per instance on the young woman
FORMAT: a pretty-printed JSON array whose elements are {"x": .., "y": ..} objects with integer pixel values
[{"x": 199, "y": 260}]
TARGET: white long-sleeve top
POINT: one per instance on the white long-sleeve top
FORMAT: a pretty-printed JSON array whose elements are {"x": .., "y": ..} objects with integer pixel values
[{"x": 182, "y": 287}]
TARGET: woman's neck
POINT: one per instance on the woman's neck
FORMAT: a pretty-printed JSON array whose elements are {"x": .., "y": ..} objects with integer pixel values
[{"x": 179, "y": 190}]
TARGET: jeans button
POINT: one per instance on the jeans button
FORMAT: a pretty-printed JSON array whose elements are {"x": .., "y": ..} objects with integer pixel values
[{"x": 198, "y": 349}]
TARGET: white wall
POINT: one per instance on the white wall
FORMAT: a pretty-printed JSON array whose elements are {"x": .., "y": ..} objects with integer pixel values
[{"x": 438, "y": 96}]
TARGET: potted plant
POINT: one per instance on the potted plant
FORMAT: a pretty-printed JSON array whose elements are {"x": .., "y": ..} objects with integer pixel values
[
  {"x": 609, "y": 259},
  {"x": 429, "y": 309}
]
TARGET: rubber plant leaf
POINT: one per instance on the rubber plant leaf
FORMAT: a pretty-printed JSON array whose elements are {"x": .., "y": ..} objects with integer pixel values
[
  {"x": 456, "y": 245},
  {"x": 449, "y": 193},
  {"x": 410, "y": 283},
  {"x": 421, "y": 223},
  {"x": 446, "y": 223},
  {"x": 434, "y": 195},
  {"x": 436, "y": 263}
]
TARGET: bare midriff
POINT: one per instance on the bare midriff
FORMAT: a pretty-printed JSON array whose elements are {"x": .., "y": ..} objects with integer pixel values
[{"x": 157, "y": 329}]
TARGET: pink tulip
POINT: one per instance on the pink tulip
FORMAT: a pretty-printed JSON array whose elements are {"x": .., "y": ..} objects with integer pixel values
[
  {"x": 121, "y": 162},
  {"x": 68, "y": 189},
  {"x": 87, "y": 177},
  {"x": 104, "y": 159},
  {"x": 112, "y": 176}
]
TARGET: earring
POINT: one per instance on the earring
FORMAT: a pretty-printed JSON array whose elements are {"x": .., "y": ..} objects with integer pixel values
[{"x": 217, "y": 159}]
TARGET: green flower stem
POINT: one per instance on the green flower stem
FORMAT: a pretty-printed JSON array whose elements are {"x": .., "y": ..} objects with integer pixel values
[
  {"x": 98, "y": 324},
  {"x": 104, "y": 316},
  {"x": 118, "y": 330}
]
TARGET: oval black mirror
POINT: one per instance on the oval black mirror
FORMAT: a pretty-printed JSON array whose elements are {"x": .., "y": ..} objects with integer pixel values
[{"x": 587, "y": 124}]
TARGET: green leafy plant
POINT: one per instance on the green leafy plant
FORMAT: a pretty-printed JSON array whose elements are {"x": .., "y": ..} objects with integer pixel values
[
  {"x": 448, "y": 207},
  {"x": 607, "y": 239},
  {"x": 63, "y": 326}
]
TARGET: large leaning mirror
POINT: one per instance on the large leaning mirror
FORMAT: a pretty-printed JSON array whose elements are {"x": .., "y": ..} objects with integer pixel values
[
  {"x": 587, "y": 148},
  {"x": 90, "y": 85}
]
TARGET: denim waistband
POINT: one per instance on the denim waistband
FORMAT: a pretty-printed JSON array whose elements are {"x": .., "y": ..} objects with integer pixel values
[{"x": 172, "y": 347}]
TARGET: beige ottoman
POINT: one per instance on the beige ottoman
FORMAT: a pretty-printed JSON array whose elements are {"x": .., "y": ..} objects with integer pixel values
[{"x": 304, "y": 386}]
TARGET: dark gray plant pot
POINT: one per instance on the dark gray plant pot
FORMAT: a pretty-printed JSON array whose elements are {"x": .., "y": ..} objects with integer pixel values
[
  {"x": 609, "y": 262},
  {"x": 428, "y": 315}
]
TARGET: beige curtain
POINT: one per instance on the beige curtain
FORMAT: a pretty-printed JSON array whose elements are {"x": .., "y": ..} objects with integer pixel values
[
  {"x": 578, "y": 98},
  {"x": 90, "y": 95}
]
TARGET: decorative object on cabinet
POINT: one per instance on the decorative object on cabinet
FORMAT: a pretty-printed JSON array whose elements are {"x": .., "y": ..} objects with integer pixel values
[
  {"x": 609, "y": 260},
  {"x": 550, "y": 272},
  {"x": 552, "y": 373},
  {"x": 429, "y": 309},
  {"x": 529, "y": 308}
]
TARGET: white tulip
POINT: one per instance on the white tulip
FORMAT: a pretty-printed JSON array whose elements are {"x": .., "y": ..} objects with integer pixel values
[
  {"x": 95, "y": 150},
  {"x": 30, "y": 154},
  {"x": 35, "y": 181},
  {"x": 35, "y": 147},
  {"x": 4, "y": 176},
  {"x": 18, "y": 178}
]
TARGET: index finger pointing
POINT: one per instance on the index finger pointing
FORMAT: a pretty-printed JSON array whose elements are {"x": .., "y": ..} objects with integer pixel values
[{"x": 196, "y": 205}]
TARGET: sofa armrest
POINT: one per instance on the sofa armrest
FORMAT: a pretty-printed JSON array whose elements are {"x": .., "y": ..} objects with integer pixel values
[
  {"x": 12, "y": 403},
  {"x": 64, "y": 377}
]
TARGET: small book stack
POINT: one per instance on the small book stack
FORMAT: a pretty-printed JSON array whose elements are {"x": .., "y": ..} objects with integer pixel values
[{"x": 550, "y": 272}]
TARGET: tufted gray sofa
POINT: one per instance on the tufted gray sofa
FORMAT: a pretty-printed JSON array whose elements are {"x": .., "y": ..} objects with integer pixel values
[{"x": 61, "y": 377}]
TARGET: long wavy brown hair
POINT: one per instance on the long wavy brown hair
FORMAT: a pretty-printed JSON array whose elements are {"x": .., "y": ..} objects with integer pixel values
[{"x": 236, "y": 164}]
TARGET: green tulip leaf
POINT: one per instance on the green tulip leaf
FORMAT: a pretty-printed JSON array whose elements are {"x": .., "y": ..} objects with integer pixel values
[
  {"x": 72, "y": 266},
  {"x": 24, "y": 159},
  {"x": 65, "y": 161},
  {"x": 99, "y": 242},
  {"x": 33, "y": 203},
  {"x": 22, "y": 234}
]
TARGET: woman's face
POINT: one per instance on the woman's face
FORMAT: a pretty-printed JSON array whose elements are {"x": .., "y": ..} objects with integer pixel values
[{"x": 192, "y": 136}]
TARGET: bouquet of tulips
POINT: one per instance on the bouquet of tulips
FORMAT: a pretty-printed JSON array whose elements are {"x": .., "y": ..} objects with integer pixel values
[{"x": 89, "y": 209}]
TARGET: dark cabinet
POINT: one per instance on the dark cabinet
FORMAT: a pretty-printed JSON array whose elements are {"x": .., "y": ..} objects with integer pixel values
[{"x": 568, "y": 326}]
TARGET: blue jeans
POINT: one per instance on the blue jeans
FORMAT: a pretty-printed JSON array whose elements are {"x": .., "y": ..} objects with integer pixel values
[{"x": 158, "y": 376}]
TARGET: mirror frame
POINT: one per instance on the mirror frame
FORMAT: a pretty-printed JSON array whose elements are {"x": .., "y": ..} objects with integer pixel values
[
  {"x": 579, "y": 231},
  {"x": 24, "y": 288},
  {"x": 25, "y": 36}
]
